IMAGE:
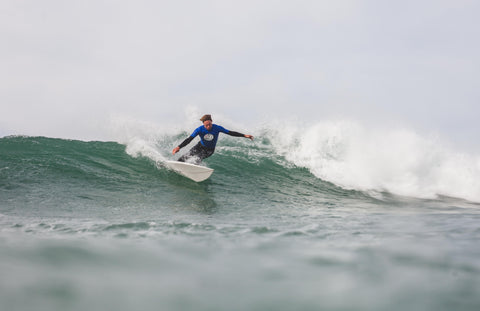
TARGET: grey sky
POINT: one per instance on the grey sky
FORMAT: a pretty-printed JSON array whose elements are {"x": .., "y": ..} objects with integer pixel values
[{"x": 67, "y": 66}]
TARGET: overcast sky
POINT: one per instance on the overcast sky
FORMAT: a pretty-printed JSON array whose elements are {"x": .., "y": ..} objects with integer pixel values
[{"x": 68, "y": 66}]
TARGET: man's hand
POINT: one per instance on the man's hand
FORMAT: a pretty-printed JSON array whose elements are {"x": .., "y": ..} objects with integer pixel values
[
  {"x": 249, "y": 136},
  {"x": 175, "y": 150}
]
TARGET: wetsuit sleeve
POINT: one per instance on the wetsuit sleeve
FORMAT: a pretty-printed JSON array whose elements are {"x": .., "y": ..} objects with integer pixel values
[
  {"x": 231, "y": 133},
  {"x": 186, "y": 141},
  {"x": 189, "y": 138},
  {"x": 236, "y": 134}
]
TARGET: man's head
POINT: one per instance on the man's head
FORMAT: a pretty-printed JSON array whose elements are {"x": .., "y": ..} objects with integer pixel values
[{"x": 207, "y": 121}]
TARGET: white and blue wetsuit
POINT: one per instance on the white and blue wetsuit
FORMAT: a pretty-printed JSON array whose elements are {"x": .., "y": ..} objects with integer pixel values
[{"x": 207, "y": 143}]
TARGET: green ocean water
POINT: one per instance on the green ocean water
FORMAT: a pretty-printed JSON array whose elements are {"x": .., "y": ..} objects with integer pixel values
[{"x": 106, "y": 226}]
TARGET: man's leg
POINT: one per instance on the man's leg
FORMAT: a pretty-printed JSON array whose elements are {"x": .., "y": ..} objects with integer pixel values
[
  {"x": 193, "y": 152},
  {"x": 196, "y": 154}
]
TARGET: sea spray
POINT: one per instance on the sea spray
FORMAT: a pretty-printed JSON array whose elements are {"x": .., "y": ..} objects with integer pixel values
[
  {"x": 399, "y": 161},
  {"x": 142, "y": 138}
]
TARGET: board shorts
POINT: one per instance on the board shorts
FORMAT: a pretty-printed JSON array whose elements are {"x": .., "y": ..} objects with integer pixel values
[{"x": 196, "y": 154}]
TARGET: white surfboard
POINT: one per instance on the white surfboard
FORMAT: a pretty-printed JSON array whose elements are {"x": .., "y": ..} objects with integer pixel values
[{"x": 194, "y": 172}]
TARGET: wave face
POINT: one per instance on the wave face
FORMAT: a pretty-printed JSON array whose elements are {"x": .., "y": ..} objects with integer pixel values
[
  {"x": 332, "y": 158},
  {"x": 41, "y": 172}
]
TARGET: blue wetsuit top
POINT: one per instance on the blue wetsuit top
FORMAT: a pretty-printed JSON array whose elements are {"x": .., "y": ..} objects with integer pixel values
[{"x": 208, "y": 139}]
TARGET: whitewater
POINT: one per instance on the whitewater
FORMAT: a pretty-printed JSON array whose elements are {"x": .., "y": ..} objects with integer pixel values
[{"x": 332, "y": 215}]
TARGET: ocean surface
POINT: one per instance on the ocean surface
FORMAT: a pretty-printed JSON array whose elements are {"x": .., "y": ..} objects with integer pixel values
[{"x": 330, "y": 217}]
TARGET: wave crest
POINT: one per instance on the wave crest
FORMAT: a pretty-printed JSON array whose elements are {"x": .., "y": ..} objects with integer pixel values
[{"x": 399, "y": 161}]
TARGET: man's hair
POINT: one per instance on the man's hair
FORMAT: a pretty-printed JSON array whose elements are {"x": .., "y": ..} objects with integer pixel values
[{"x": 206, "y": 117}]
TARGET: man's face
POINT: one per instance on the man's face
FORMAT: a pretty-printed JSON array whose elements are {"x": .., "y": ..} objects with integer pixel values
[{"x": 208, "y": 124}]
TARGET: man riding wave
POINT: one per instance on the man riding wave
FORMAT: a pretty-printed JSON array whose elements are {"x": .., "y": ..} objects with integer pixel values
[{"x": 208, "y": 134}]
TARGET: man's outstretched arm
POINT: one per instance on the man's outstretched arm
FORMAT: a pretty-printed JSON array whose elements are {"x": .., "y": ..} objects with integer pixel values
[
  {"x": 183, "y": 144},
  {"x": 237, "y": 134}
]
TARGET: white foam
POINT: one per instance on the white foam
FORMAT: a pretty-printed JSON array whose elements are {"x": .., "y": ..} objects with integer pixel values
[
  {"x": 399, "y": 161},
  {"x": 142, "y": 138}
]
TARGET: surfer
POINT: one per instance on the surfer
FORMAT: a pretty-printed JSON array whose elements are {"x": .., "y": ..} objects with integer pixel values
[{"x": 208, "y": 133}]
